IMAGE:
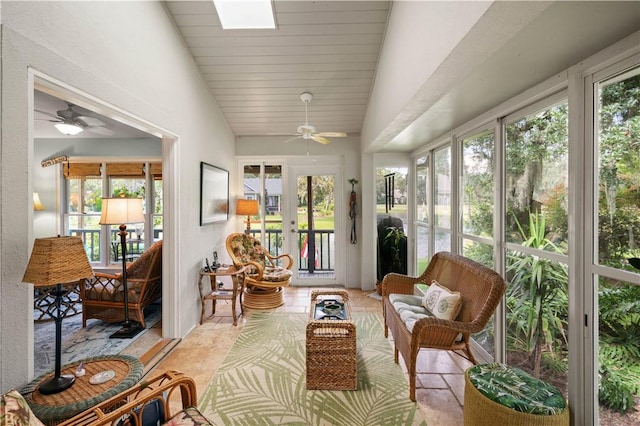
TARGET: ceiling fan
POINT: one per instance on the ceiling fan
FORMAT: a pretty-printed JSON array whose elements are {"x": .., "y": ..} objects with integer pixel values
[
  {"x": 307, "y": 131},
  {"x": 71, "y": 122}
]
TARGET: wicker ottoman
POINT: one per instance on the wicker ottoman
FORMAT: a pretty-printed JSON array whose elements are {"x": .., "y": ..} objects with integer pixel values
[
  {"x": 331, "y": 345},
  {"x": 495, "y": 394}
]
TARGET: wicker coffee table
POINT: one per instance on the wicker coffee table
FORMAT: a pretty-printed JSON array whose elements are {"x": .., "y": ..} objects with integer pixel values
[{"x": 331, "y": 342}]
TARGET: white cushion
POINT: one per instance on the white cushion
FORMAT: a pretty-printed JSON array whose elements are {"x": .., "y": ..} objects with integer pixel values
[{"x": 442, "y": 302}]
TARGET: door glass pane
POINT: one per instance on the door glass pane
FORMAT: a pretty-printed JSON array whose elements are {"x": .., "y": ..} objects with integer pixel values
[
  {"x": 536, "y": 167},
  {"x": 272, "y": 208},
  {"x": 252, "y": 190},
  {"x": 316, "y": 226},
  {"x": 618, "y": 227},
  {"x": 477, "y": 185}
]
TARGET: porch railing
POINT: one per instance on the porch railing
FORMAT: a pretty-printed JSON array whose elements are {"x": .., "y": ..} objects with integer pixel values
[
  {"x": 317, "y": 248},
  {"x": 91, "y": 240}
]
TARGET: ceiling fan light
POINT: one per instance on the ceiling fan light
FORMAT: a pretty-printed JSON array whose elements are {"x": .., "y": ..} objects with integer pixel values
[{"x": 68, "y": 128}]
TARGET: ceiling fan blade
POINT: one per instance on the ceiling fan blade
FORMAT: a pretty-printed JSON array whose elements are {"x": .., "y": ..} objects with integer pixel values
[
  {"x": 90, "y": 121},
  {"x": 292, "y": 139},
  {"x": 47, "y": 113},
  {"x": 100, "y": 130},
  {"x": 320, "y": 139},
  {"x": 332, "y": 134}
]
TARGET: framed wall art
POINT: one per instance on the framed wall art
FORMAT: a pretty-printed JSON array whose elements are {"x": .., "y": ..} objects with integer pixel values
[{"x": 214, "y": 194}]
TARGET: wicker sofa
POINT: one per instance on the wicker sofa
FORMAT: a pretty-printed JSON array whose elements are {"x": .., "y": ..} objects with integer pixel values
[
  {"x": 413, "y": 327},
  {"x": 169, "y": 398}
]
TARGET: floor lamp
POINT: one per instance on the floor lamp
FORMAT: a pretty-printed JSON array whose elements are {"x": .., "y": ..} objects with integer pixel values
[
  {"x": 120, "y": 211},
  {"x": 55, "y": 261},
  {"x": 247, "y": 208}
]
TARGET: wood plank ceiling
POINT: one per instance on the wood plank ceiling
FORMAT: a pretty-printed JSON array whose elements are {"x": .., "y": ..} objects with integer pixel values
[{"x": 328, "y": 48}]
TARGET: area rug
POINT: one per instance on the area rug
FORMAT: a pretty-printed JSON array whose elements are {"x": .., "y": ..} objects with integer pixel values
[
  {"x": 262, "y": 381},
  {"x": 79, "y": 343}
]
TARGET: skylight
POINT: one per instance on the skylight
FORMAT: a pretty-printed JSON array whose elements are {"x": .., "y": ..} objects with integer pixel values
[{"x": 245, "y": 14}]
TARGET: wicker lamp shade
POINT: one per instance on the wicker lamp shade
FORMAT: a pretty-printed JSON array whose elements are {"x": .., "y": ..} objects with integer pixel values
[
  {"x": 54, "y": 261},
  {"x": 57, "y": 260}
]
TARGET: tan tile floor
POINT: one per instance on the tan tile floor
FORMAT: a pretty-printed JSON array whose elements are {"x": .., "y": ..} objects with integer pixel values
[{"x": 440, "y": 385}]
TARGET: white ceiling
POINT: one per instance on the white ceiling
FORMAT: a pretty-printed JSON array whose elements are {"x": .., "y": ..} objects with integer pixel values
[{"x": 328, "y": 48}]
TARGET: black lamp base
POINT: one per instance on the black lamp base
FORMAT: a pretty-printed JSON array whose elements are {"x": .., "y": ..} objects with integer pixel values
[
  {"x": 127, "y": 331},
  {"x": 56, "y": 384}
]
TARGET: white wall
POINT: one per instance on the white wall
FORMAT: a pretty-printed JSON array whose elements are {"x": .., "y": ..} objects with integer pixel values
[{"x": 128, "y": 55}]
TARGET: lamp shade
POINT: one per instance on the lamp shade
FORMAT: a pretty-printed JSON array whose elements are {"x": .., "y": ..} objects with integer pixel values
[
  {"x": 37, "y": 204},
  {"x": 119, "y": 210},
  {"x": 57, "y": 260},
  {"x": 247, "y": 207}
]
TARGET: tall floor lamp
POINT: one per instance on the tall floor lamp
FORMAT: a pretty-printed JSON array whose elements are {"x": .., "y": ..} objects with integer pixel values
[
  {"x": 120, "y": 211},
  {"x": 54, "y": 261},
  {"x": 247, "y": 208}
]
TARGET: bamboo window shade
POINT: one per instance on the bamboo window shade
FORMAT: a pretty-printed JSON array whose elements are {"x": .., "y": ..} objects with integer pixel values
[
  {"x": 80, "y": 170},
  {"x": 156, "y": 170},
  {"x": 125, "y": 169},
  {"x": 84, "y": 170}
]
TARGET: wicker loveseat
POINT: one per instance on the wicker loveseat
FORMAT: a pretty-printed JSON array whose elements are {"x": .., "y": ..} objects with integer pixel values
[
  {"x": 266, "y": 275},
  {"x": 413, "y": 327},
  {"x": 169, "y": 398},
  {"x": 102, "y": 295}
]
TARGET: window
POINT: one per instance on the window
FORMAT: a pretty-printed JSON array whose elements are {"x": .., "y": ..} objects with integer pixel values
[
  {"x": 88, "y": 183},
  {"x": 536, "y": 232}
]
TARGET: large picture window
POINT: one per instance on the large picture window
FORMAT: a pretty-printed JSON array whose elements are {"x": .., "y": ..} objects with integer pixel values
[{"x": 87, "y": 183}]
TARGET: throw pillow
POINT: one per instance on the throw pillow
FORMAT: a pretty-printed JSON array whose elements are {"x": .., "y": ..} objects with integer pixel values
[
  {"x": 14, "y": 410},
  {"x": 442, "y": 302}
]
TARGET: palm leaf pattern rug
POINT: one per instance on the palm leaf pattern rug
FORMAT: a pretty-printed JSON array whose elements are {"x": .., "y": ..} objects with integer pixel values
[{"x": 262, "y": 380}]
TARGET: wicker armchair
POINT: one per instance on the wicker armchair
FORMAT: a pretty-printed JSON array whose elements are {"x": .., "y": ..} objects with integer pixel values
[
  {"x": 102, "y": 295},
  {"x": 481, "y": 290},
  {"x": 266, "y": 275}
]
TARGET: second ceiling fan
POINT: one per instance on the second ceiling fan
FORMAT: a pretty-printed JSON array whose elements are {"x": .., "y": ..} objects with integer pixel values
[{"x": 307, "y": 131}]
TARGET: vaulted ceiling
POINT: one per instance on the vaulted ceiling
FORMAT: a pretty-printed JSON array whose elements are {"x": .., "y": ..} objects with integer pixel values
[
  {"x": 328, "y": 48},
  {"x": 334, "y": 49}
]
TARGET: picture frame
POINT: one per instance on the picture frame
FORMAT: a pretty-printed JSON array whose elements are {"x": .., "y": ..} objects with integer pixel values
[{"x": 214, "y": 194}]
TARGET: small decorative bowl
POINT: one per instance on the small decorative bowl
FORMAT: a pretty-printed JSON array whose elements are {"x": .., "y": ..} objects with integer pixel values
[{"x": 332, "y": 308}]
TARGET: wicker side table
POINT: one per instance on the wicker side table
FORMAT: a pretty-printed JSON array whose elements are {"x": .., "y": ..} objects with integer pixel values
[
  {"x": 55, "y": 408},
  {"x": 331, "y": 345}
]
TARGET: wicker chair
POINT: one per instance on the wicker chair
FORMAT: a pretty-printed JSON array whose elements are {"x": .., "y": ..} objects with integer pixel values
[
  {"x": 266, "y": 274},
  {"x": 481, "y": 290},
  {"x": 102, "y": 295}
]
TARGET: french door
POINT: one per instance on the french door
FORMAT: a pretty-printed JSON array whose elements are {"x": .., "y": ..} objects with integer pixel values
[{"x": 314, "y": 226}]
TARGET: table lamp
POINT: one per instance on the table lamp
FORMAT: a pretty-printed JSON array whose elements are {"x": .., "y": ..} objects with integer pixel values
[
  {"x": 55, "y": 261},
  {"x": 120, "y": 211},
  {"x": 247, "y": 208}
]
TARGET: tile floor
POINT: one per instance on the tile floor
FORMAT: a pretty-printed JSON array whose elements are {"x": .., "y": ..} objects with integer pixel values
[{"x": 440, "y": 385}]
